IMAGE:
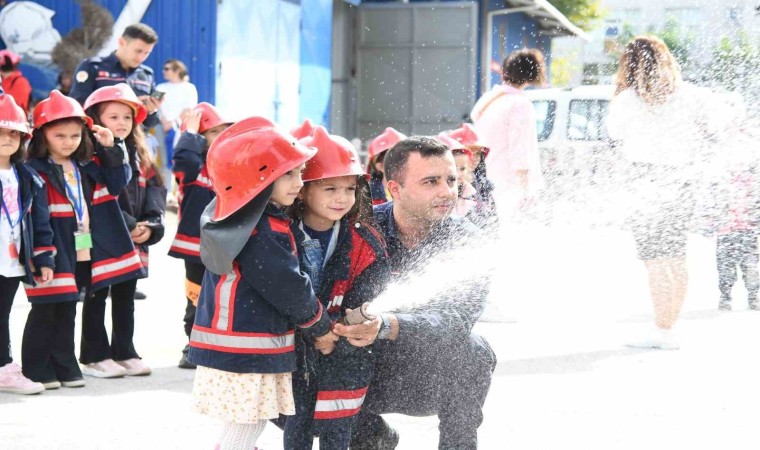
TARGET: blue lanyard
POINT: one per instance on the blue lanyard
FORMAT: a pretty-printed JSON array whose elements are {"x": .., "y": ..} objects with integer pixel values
[
  {"x": 76, "y": 200},
  {"x": 5, "y": 207}
]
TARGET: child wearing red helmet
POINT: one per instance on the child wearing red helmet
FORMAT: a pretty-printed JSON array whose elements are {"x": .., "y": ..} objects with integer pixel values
[
  {"x": 142, "y": 203},
  {"x": 84, "y": 170},
  {"x": 376, "y": 155},
  {"x": 200, "y": 128},
  {"x": 348, "y": 266},
  {"x": 253, "y": 292},
  {"x": 26, "y": 240},
  {"x": 484, "y": 212}
]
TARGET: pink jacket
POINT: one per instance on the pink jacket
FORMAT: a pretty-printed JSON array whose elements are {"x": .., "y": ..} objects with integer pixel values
[{"x": 505, "y": 120}]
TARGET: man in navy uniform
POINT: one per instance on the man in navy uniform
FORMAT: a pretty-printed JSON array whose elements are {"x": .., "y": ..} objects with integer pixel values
[
  {"x": 125, "y": 65},
  {"x": 428, "y": 360}
]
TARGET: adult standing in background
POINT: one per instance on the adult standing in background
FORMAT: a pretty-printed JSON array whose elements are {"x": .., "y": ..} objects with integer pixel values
[
  {"x": 15, "y": 83},
  {"x": 180, "y": 94},
  {"x": 125, "y": 65},
  {"x": 663, "y": 125},
  {"x": 506, "y": 121},
  {"x": 180, "y": 97}
]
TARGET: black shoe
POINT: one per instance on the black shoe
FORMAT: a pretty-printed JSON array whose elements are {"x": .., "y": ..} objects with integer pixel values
[
  {"x": 387, "y": 441},
  {"x": 185, "y": 363},
  {"x": 139, "y": 295}
]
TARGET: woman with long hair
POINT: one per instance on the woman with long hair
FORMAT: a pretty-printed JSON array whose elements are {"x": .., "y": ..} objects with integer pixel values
[{"x": 663, "y": 128}]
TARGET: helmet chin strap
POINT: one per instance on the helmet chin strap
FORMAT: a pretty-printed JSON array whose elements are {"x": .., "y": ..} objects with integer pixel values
[{"x": 222, "y": 241}]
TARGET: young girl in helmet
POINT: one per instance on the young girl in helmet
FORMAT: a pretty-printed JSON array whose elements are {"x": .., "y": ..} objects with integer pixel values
[
  {"x": 348, "y": 266},
  {"x": 201, "y": 127},
  {"x": 376, "y": 155},
  {"x": 463, "y": 157},
  {"x": 26, "y": 240},
  {"x": 142, "y": 204},
  {"x": 84, "y": 170},
  {"x": 253, "y": 291},
  {"x": 484, "y": 212}
]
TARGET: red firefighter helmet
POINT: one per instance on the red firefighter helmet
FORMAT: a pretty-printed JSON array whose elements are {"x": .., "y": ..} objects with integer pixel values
[
  {"x": 385, "y": 141},
  {"x": 12, "y": 116},
  {"x": 121, "y": 93},
  {"x": 335, "y": 157},
  {"x": 452, "y": 143},
  {"x": 304, "y": 130},
  {"x": 210, "y": 118},
  {"x": 467, "y": 135},
  {"x": 57, "y": 106},
  {"x": 246, "y": 158}
]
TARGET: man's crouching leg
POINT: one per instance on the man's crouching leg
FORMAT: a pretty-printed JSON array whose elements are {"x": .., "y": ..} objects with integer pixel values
[{"x": 462, "y": 413}]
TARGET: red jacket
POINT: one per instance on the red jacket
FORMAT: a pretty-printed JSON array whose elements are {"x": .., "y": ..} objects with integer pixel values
[{"x": 18, "y": 87}]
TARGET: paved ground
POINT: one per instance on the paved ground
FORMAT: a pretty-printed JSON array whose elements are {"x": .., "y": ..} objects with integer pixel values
[{"x": 563, "y": 380}]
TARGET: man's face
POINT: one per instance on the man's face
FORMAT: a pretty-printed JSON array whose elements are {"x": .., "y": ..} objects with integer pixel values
[
  {"x": 133, "y": 52},
  {"x": 429, "y": 189}
]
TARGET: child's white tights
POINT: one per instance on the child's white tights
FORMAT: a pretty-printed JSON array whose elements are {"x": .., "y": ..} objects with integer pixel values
[{"x": 241, "y": 436}]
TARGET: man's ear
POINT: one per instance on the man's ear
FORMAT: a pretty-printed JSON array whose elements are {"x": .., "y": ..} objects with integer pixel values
[
  {"x": 122, "y": 42},
  {"x": 394, "y": 188}
]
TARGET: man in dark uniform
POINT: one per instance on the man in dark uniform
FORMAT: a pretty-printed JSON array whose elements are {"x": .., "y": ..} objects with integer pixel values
[
  {"x": 125, "y": 65},
  {"x": 428, "y": 360}
]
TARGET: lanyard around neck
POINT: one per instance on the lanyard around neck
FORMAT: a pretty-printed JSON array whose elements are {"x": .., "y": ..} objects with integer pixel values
[
  {"x": 5, "y": 207},
  {"x": 76, "y": 200}
]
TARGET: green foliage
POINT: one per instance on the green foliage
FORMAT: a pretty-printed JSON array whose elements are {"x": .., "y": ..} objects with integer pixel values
[
  {"x": 586, "y": 14},
  {"x": 563, "y": 68},
  {"x": 735, "y": 62}
]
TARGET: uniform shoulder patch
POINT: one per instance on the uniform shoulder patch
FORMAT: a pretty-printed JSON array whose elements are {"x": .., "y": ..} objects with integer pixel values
[{"x": 82, "y": 76}]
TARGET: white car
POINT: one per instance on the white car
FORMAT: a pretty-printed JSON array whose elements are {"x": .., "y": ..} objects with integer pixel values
[{"x": 571, "y": 130}]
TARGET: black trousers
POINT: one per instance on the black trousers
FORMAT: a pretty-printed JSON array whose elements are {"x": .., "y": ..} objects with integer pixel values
[
  {"x": 453, "y": 388},
  {"x": 194, "y": 274},
  {"x": 737, "y": 248},
  {"x": 95, "y": 345},
  {"x": 8, "y": 288},
  {"x": 47, "y": 348}
]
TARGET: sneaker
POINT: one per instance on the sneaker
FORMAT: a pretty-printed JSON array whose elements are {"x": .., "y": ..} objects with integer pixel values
[
  {"x": 14, "y": 382},
  {"x": 185, "y": 363},
  {"x": 134, "y": 367},
  {"x": 724, "y": 304},
  {"x": 52, "y": 384},
  {"x": 657, "y": 338},
  {"x": 140, "y": 295},
  {"x": 75, "y": 383},
  {"x": 104, "y": 369}
]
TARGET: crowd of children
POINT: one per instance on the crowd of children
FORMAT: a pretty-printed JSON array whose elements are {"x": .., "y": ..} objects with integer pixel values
[
  {"x": 278, "y": 242},
  {"x": 81, "y": 204}
]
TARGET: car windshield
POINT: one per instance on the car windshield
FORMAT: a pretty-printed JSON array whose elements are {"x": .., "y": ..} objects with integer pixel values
[
  {"x": 586, "y": 120},
  {"x": 544, "y": 117}
]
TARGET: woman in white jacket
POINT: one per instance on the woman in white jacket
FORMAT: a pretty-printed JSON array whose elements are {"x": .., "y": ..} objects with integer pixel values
[{"x": 662, "y": 126}]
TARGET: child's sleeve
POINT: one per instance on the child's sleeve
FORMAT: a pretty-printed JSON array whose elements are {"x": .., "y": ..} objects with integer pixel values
[
  {"x": 43, "y": 250},
  {"x": 188, "y": 157},
  {"x": 155, "y": 207},
  {"x": 271, "y": 268},
  {"x": 113, "y": 163}
]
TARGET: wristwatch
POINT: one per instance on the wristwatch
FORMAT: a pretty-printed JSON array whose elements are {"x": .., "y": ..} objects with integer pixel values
[{"x": 385, "y": 328}]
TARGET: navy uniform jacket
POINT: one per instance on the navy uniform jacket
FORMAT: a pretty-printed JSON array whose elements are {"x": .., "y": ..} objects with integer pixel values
[
  {"x": 357, "y": 272},
  {"x": 243, "y": 323},
  {"x": 432, "y": 336},
  {"x": 36, "y": 234},
  {"x": 143, "y": 199},
  {"x": 114, "y": 258},
  {"x": 96, "y": 72},
  {"x": 195, "y": 193}
]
